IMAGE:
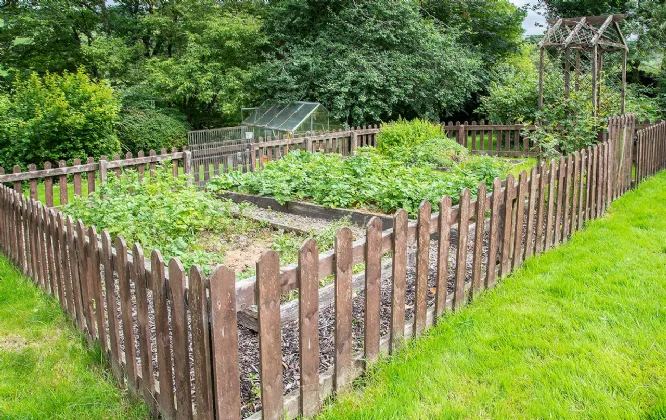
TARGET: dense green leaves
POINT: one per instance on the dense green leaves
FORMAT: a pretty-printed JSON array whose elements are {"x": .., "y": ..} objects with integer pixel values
[
  {"x": 57, "y": 117},
  {"x": 367, "y": 180},
  {"x": 147, "y": 128},
  {"x": 366, "y": 61},
  {"x": 160, "y": 212}
]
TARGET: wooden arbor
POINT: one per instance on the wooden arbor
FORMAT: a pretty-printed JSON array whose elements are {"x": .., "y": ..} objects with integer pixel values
[{"x": 588, "y": 51}]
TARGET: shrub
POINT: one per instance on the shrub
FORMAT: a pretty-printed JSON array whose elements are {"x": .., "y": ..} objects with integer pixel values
[
  {"x": 146, "y": 129},
  {"x": 57, "y": 117},
  {"x": 403, "y": 133},
  {"x": 439, "y": 152}
]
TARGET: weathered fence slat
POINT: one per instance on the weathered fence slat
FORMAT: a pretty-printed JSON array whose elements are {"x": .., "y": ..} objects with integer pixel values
[
  {"x": 477, "y": 255},
  {"x": 201, "y": 343},
  {"x": 138, "y": 274},
  {"x": 343, "y": 309},
  {"x": 422, "y": 267},
  {"x": 179, "y": 333},
  {"x": 373, "y": 277},
  {"x": 308, "y": 297},
  {"x": 461, "y": 257},
  {"x": 123, "y": 270},
  {"x": 270, "y": 350},
  {"x": 399, "y": 272},
  {"x": 224, "y": 334},
  {"x": 517, "y": 258},
  {"x": 493, "y": 234},
  {"x": 509, "y": 195},
  {"x": 443, "y": 246},
  {"x": 158, "y": 285}
]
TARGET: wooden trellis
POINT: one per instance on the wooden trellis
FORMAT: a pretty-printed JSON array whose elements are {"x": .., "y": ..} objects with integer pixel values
[{"x": 583, "y": 45}]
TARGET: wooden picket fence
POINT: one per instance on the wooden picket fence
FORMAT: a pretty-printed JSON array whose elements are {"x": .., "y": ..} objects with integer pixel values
[
  {"x": 90, "y": 173},
  {"x": 503, "y": 139},
  {"x": 172, "y": 337},
  {"x": 211, "y": 158}
]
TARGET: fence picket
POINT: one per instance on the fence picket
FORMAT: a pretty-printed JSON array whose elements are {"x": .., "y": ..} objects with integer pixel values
[
  {"x": 442, "y": 255},
  {"x": 461, "y": 257},
  {"x": 373, "y": 274},
  {"x": 509, "y": 195},
  {"x": 517, "y": 257},
  {"x": 422, "y": 267},
  {"x": 480, "y": 218},
  {"x": 138, "y": 274},
  {"x": 201, "y": 343},
  {"x": 343, "y": 309},
  {"x": 576, "y": 192},
  {"x": 561, "y": 176},
  {"x": 308, "y": 300},
  {"x": 567, "y": 198},
  {"x": 111, "y": 306},
  {"x": 162, "y": 336},
  {"x": 270, "y": 350},
  {"x": 399, "y": 272},
  {"x": 179, "y": 333},
  {"x": 123, "y": 269},
  {"x": 493, "y": 233},
  {"x": 97, "y": 289},
  {"x": 531, "y": 212}
]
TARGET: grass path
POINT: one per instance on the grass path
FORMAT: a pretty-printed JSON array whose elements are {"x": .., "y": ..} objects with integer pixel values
[
  {"x": 578, "y": 332},
  {"x": 46, "y": 370}
]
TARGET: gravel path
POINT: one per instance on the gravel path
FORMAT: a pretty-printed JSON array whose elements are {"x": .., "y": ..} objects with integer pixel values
[{"x": 295, "y": 221}]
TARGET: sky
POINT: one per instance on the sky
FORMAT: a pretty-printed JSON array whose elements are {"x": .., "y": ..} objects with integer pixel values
[{"x": 531, "y": 19}]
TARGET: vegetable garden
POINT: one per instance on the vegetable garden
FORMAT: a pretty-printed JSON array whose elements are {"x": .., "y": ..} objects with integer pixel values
[{"x": 355, "y": 294}]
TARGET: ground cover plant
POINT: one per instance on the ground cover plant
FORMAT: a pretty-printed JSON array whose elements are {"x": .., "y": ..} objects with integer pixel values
[
  {"x": 578, "y": 332},
  {"x": 162, "y": 212},
  {"x": 412, "y": 163},
  {"x": 46, "y": 370}
]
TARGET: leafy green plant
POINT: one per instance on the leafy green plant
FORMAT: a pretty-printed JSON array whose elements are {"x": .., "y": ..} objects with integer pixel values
[
  {"x": 159, "y": 212},
  {"x": 146, "y": 129},
  {"x": 54, "y": 117},
  {"x": 368, "y": 179},
  {"x": 406, "y": 134}
]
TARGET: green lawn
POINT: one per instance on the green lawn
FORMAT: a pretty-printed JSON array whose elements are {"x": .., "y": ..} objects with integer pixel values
[
  {"x": 46, "y": 370},
  {"x": 579, "y": 332}
]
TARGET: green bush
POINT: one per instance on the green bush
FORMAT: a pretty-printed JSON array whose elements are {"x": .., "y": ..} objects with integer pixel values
[
  {"x": 403, "y": 133},
  {"x": 57, "y": 117},
  {"x": 146, "y": 129},
  {"x": 439, "y": 152}
]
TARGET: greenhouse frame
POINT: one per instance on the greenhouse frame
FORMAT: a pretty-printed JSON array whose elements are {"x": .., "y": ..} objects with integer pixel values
[{"x": 285, "y": 119}]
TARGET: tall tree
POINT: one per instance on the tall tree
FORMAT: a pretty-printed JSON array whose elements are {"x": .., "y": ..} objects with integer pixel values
[{"x": 365, "y": 61}]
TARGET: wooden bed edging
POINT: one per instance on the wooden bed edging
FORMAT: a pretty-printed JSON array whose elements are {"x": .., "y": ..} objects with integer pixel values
[{"x": 300, "y": 208}]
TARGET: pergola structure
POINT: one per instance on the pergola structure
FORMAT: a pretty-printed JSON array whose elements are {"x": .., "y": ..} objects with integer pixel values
[{"x": 588, "y": 51}]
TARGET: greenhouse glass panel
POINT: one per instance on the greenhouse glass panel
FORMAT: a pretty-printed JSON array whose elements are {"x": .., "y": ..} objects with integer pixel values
[{"x": 286, "y": 119}]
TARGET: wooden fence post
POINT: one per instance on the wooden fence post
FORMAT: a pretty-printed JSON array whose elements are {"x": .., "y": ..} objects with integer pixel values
[
  {"x": 102, "y": 171},
  {"x": 354, "y": 141},
  {"x": 187, "y": 165}
]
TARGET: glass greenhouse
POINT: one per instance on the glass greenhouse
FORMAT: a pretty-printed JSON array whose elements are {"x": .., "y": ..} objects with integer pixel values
[{"x": 285, "y": 120}]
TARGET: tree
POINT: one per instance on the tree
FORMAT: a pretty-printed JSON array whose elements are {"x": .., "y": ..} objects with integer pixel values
[
  {"x": 57, "y": 117},
  {"x": 365, "y": 61},
  {"x": 493, "y": 28},
  {"x": 207, "y": 80}
]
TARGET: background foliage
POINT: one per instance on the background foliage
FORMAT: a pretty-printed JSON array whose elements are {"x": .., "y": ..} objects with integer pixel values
[{"x": 57, "y": 117}]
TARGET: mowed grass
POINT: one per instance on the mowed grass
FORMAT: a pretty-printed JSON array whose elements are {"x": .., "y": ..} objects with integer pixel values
[
  {"x": 46, "y": 370},
  {"x": 578, "y": 332}
]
